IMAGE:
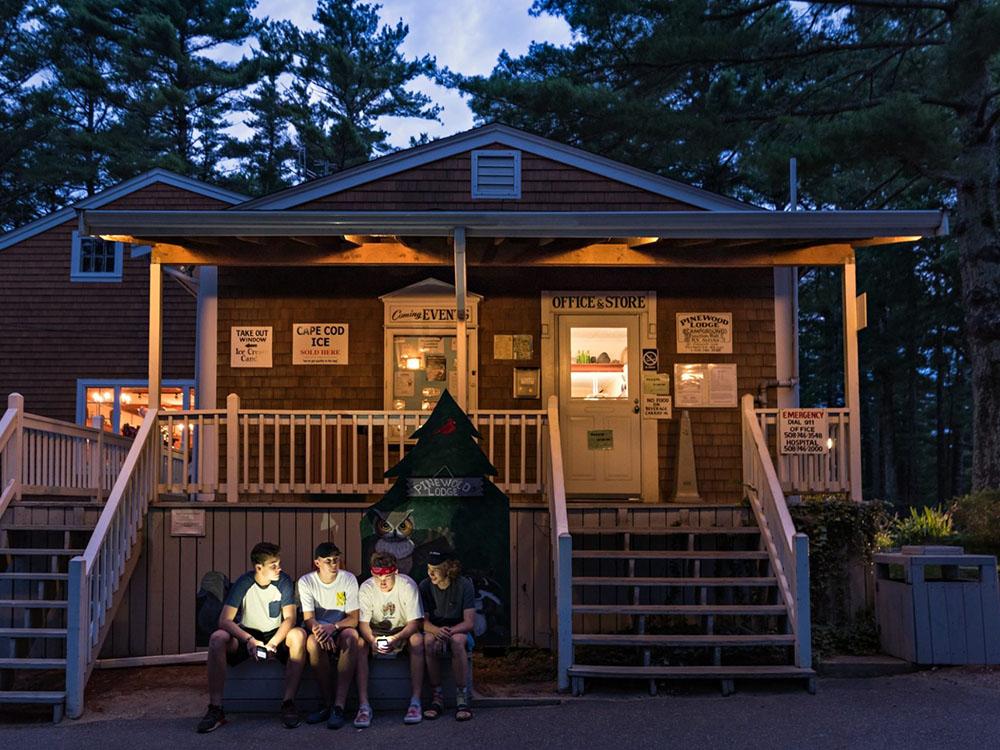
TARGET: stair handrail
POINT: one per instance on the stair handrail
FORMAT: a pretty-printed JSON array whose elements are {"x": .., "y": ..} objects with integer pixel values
[
  {"x": 11, "y": 429},
  {"x": 787, "y": 549},
  {"x": 96, "y": 576},
  {"x": 562, "y": 548}
]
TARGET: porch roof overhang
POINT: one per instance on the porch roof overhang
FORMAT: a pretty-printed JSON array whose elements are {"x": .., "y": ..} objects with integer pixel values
[{"x": 234, "y": 237}]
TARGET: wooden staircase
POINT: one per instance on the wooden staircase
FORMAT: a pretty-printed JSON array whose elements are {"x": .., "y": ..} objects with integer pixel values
[
  {"x": 677, "y": 601},
  {"x": 37, "y": 539}
]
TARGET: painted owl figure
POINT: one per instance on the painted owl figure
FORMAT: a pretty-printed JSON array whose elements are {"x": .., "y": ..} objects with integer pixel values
[{"x": 393, "y": 531}]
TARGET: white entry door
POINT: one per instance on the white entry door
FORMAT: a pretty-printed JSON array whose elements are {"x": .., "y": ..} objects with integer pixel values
[{"x": 598, "y": 376}]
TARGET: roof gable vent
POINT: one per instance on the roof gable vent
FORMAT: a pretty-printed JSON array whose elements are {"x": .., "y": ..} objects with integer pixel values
[{"x": 496, "y": 174}]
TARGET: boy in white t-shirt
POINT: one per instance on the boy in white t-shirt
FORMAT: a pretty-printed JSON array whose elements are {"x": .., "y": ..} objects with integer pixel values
[
  {"x": 390, "y": 619},
  {"x": 329, "y": 599}
]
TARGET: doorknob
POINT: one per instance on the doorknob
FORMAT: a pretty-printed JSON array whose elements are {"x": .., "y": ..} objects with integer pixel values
[{"x": 635, "y": 406}]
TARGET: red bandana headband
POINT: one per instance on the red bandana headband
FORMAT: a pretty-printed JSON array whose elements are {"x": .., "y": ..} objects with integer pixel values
[{"x": 386, "y": 571}]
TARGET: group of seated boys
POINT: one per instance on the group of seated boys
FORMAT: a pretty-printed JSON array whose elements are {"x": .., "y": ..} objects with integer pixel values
[{"x": 343, "y": 622}]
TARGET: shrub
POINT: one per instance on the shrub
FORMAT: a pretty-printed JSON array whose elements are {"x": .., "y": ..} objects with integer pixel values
[
  {"x": 977, "y": 521},
  {"x": 930, "y": 525}
]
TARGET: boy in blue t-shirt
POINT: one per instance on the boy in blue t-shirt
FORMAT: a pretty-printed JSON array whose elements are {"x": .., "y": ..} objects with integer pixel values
[{"x": 257, "y": 622}]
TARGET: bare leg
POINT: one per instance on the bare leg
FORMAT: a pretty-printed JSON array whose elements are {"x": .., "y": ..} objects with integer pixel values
[
  {"x": 218, "y": 645},
  {"x": 459, "y": 660},
  {"x": 416, "y": 665},
  {"x": 320, "y": 663},
  {"x": 296, "y": 643},
  {"x": 346, "y": 663},
  {"x": 432, "y": 652},
  {"x": 362, "y": 672}
]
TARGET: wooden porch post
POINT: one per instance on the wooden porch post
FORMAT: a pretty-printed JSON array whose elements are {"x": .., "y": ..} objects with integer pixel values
[
  {"x": 852, "y": 391},
  {"x": 460, "y": 319},
  {"x": 155, "y": 333},
  {"x": 206, "y": 363}
]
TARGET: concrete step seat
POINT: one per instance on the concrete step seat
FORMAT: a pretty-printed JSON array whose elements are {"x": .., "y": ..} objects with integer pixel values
[{"x": 258, "y": 687}]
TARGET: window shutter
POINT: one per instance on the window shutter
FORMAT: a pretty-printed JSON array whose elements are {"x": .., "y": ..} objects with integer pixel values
[{"x": 496, "y": 174}]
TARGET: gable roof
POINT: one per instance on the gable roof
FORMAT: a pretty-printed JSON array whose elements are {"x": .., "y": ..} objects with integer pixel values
[
  {"x": 152, "y": 177},
  {"x": 485, "y": 136}
]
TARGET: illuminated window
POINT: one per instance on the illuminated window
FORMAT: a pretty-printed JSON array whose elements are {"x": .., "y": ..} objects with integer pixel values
[
  {"x": 598, "y": 362},
  {"x": 123, "y": 405},
  {"x": 94, "y": 259}
]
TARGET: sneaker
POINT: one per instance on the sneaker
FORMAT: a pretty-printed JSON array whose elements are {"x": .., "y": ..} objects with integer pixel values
[
  {"x": 290, "y": 715},
  {"x": 337, "y": 718},
  {"x": 413, "y": 714},
  {"x": 318, "y": 716},
  {"x": 213, "y": 719},
  {"x": 363, "y": 718}
]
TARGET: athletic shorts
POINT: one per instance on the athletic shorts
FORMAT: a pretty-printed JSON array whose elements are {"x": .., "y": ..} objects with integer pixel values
[{"x": 241, "y": 654}]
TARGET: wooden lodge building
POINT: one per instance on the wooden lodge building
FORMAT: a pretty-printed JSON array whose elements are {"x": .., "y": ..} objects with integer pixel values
[{"x": 622, "y": 341}]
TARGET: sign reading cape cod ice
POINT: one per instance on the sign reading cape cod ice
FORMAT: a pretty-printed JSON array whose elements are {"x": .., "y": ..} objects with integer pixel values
[
  {"x": 705, "y": 333},
  {"x": 802, "y": 431},
  {"x": 319, "y": 343},
  {"x": 250, "y": 346}
]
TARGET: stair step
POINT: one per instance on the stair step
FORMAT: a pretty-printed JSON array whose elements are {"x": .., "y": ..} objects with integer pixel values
[
  {"x": 34, "y": 576},
  {"x": 679, "y": 609},
  {"x": 646, "y": 531},
  {"x": 769, "y": 671},
  {"x": 645, "y": 554},
  {"x": 48, "y": 527},
  {"x": 605, "y": 639},
  {"x": 33, "y": 604},
  {"x": 37, "y": 552},
  {"x": 756, "y": 581},
  {"x": 32, "y": 663},
  {"x": 32, "y": 632},
  {"x": 28, "y": 501},
  {"x": 31, "y": 696}
]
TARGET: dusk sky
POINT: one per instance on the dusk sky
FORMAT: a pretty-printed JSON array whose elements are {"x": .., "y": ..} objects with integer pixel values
[{"x": 464, "y": 35}]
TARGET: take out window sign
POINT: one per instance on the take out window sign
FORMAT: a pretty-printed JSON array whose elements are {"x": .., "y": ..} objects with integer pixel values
[{"x": 251, "y": 346}]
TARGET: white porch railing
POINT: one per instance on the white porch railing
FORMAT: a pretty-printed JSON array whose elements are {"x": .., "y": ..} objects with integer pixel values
[
  {"x": 96, "y": 578},
  {"x": 246, "y": 451},
  {"x": 43, "y": 456},
  {"x": 822, "y": 472},
  {"x": 562, "y": 548},
  {"x": 788, "y": 550}
]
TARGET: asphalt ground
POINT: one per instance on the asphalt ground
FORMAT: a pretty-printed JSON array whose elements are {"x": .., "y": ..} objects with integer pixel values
[{"x": 946, "y": 708}]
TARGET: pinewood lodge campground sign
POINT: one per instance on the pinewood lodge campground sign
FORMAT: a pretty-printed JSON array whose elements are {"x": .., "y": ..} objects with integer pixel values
[{"x": 803, "y": 431}]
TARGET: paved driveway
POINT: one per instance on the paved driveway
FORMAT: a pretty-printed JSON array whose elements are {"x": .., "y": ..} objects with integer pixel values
[{"x": 934, "y": 709}]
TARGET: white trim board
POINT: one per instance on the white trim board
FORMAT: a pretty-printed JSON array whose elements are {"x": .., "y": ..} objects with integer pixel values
[
  {"x": 120, "y": 190},
  {"x": 504, "y": 136}
]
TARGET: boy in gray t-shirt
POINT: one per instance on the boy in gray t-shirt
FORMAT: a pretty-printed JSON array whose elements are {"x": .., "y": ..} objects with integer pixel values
[{"x": 449, "y": 607}]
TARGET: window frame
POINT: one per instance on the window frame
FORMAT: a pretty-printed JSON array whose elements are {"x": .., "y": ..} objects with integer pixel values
[
  {"x": 116, "y": 385},
  {"x": 76, "y": 274}
]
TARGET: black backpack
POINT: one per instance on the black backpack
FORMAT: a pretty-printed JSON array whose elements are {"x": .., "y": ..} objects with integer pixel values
[{"x": 208, "y": 605}]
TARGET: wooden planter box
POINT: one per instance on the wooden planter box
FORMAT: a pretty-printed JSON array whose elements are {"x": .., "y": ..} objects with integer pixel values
[{"x": 936, "y": 605}]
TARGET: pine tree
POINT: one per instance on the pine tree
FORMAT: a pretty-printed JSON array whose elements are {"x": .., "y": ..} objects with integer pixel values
[
  {"x": 182, "y": 98},
  {"x": 349, "y": 74},
  {"x": 443, "y": 482},
  {"x": 26, "y": 116},
  {"x": 266, "y": 157}
]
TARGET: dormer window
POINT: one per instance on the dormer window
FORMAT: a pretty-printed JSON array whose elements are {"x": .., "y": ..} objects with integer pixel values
[
  {"x": 496, "y": 174},
  {"x": 94, "y": 259}
]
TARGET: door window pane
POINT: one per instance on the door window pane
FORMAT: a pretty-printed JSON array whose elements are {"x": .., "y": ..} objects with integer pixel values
[{"x": 598, "y": 362}]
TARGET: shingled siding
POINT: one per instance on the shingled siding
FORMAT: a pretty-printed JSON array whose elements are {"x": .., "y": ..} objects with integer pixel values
[
  {"x": 53, "y": 331},
  {"x": 511, "y": 304},
  {"x": 446, "y": 185}
]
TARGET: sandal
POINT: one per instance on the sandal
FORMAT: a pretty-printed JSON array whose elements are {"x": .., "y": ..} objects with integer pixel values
[
  {"x": 433, "y": 711},
  {"x": 463, "y": 713}
]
